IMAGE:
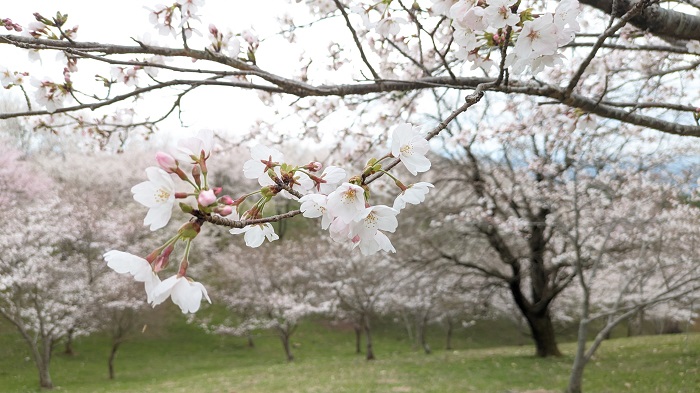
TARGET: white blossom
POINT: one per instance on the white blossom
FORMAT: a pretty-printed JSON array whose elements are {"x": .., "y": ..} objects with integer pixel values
[
  {"x": 158, "y": 195},
  {"x": 257, "y": 166},
  {"x": 191, "y": 149},
  {"x": 184, "y": 292},
  {"x": 346, "y": 202},
  {"x": 414, "y": 194},
  {"x": 313, "y": 206},
  {"x": 123, "y": 262},
  {"x": 256, "y": 234},
  {"x": 410, "y": 147}
]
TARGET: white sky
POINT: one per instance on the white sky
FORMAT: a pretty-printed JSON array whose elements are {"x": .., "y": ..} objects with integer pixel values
[{"x": 222, "y": 108}]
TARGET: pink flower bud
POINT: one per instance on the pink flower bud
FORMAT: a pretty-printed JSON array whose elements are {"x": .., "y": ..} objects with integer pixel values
[
  {"x": 217, "y": 190},
  {"x": 226, "y": 200},
  {"x": 206, "y": 197},
  {"x": 223, "y": 210},
  {"x": 167, "y": 162}
]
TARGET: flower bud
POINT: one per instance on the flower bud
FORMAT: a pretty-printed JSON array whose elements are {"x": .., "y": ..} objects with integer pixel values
[
  {"x": 206, "y": 197},
  {"x": 226, "y": 200},
  {"x": 167, "y": 162},
  {"x": 314, "y": 166},
  {"x": 197, "y": 175},
  {"x": 223, "y": 210},
  {"x": 217, "y": 190}
]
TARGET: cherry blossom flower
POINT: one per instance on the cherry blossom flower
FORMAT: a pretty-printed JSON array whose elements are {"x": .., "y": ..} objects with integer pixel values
[
  {"x": 158, "y": 195},
  {"x": 126, "y": 75},
  {"x": 255, "y": 234},
  {"x": 340, "y": 231},
  {"x": 313, "y": 206},
  {"x": 123, "y": 262},
  {"x": 537, "y": 38},
  {"x": 413, "y": 194},
  {"x": 389, "y": 26},
  {"x": 565, "y": 19},
  {"x": 346, "y": 202},
  {"x": 193, "y": 148},
  {"x": 442, "y": 7},
  {"x": 459, "y": 10},
  {"x": 183, "y": 291},
  {"x": 410, "y": 147},
  {"x": 332, "y": 176},
  {"x": 49, "y": 94},
  {"x": 225, "y": 43},
  {"x": 474, "y": 19},
  {"x": 467, "y": 39},
  {"x": 499, "y": 15},
  {"x": 366, "y": 228},
  {"x": 263, "y": 158},
  {"x": 8, "y": 78}
]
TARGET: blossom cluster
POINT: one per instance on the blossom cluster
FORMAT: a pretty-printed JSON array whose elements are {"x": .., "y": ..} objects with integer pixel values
[
  {"x": 346, "y": 213},
  {"x": 343, "y": 205},
  {"x": 481, "y": 26}
]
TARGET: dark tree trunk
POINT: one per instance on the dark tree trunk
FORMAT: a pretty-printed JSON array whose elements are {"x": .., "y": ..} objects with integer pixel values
[
  {"x": 287, "y": 348},
  {"x": 112, "y": 355},
  {"x": 358, "y": 338},
  {"x": 68, "y": 350},
  {"x": 251, "y": 343},
  {"x": 543, "y": 334},
  {"x": 368, "y": 333},
  {"x": 423, "y": 326}
]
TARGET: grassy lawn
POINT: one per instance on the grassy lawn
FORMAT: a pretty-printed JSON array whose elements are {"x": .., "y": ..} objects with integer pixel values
[{"x": 181, "y": 358}]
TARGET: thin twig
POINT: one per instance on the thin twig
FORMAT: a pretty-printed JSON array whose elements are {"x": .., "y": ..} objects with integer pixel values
[{"x": 341, "y": 7}]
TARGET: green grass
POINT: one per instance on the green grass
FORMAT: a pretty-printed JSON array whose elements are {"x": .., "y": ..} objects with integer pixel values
[{"x": 181, "y": 358}]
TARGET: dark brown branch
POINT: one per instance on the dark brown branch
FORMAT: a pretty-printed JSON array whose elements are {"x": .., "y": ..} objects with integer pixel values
[{"x": 654, "y": 19}]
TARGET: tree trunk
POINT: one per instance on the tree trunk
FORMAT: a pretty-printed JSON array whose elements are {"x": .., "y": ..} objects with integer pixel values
[
  {"x": 45, "y": 377},
  {"x": 368, "y": 333},
  {"x": 448, "y": 341},
  {"x": 543, "y": 334},
  {"x": 112, "y": 355},
  {"x": 68, "y": 350},
  {"x": 576, "y": 377},
  {"x": 43, "y": 361},
  {"x": 423, "y": 340},
  {"x": 251, "y": 343},
  {"x": 358, "y": 338},
  {"x": 285, "y": 343}
]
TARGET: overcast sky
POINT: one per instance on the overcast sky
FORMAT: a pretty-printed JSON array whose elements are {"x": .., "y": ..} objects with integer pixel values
[{"x": 116, "y": 22}]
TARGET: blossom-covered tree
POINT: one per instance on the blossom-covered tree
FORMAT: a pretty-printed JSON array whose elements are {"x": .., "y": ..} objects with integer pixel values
[
  {"x": 361, "y": 288},
  {"x": 267, "y": 292},
  {"x": 39, "y": 293},
  {"x": 517, "y": 184},
  {"x": 632, "y": 246}
]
